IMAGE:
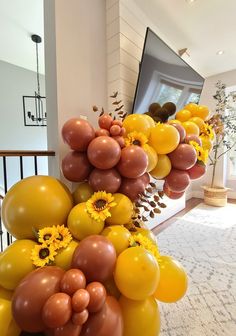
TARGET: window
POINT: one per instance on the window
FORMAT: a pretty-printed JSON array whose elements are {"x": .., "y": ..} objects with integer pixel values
[{"x": 231, "y": 91}]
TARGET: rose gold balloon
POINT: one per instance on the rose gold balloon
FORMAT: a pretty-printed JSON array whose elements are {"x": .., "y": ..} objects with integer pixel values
[
  {"x": 197, "y": 171},
  {"x": 145, "y": 178},
  {"x": 132, "y": 188},
  {"x": 70, "y": 329},
  {"x": 98, "y": 295},
  {"x": 72, "y": 280},
  {"x": 117, "y": 122},
  {"x": 133, "y": 162},
  {"x": 108, "y": 180},
  {"x": 78, "y": 133},
  {"x": 107, "y": 322},
  {"x": 95, "y": 257},
  {"x": 80, "y": 300},
  {"x": 102, "y": 132},
  {"x": 104, "y": 152},
  {"x": 105, "y": 121},
  {"x": 115, "y": 130},
  {"x": 31, "y": 295},
  {"x": 57, "y": 310},
  {"x": 172, "y": 194},
  {"x": 120, "y": 140},
  {"x": 183, "y": 157},
  {"x": 181, "y": 130},
  {"x": 76, "y": 167},
  {"x": 80, "y": 318},
  {"x": 193, "y": 137},
  {"x": 177, "y": 180}
]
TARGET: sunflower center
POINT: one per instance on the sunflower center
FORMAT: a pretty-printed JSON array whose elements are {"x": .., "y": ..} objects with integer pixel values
[
  {"x": 44, "y": 253},
  {"x": 60, "y": 237},
  {"x": 137, "y": 142},
  {"x": 47, "y": 236},
  {"x": 100, "y": 204}
]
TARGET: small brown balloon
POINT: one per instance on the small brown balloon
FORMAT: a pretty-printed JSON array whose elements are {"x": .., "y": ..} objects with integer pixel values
[
  {"x": 97, "y": 294},
  {"x": 178, "y": 180},
  {"x": 108, "y": 180},
  {"x": 181, "y": 130},
  {"x": 80, "y": 318},
  {"x": 146, "y": 179},
  {"x": 72, "y": 280},
  {"x": 70, "y": 329},
  {"x": 76, "y": 167},
  {"x": 132, "y": 188},
  {"x": 80, "y": 300}
]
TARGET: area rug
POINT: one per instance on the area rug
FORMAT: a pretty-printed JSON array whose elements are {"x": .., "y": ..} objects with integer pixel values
[{"x": 204, "y": 241}]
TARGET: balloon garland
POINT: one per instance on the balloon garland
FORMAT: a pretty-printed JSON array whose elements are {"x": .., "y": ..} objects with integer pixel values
[{"x": 84, "y": 263}]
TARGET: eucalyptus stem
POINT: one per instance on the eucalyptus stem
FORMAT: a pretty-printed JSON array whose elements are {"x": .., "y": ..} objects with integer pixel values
[{"x": 214, "y": 163}]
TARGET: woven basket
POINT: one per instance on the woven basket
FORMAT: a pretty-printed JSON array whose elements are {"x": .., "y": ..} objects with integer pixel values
[{"x": 215, "y": 196}]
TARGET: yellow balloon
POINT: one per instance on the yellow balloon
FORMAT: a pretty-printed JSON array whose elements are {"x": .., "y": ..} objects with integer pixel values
[
  {"x": 198, "y": 121},
  {"x": 183, "y": 115},
  {"x": 137, "y": 273},
  {"x": 190, "y": 128},
  {"x": 16, "y": 263},
  {"x": 164, "y": 138},
  {"x": 150, "y": 120},
  {"x": 35, "y": 202},
  {"x": 206, "y": 143},
  {"x": 138, "y": 123},
  {"x": 122, "y": 212},
  {"x": 152, "y": 157},
  {"x": 173, "y": 280},
  {"x": 202, "y": 112},
  {"x": 82, "y": 193},
  {"x": 81, "y": 224},
  {"x": 192, "y": 107},
  {"x": 141, "y": 318},
  {"x": 5, "y": 316},
  {"x": 119, "y": 236},
  {"x": 64, "y": 256},
  {"x": 174, "y": 121},
  {"x": 147, "y": 233},
  {"x": 162, "y": 168},
  {"x": 13, "y": 329},
  {"x": 5, "y": 294}
]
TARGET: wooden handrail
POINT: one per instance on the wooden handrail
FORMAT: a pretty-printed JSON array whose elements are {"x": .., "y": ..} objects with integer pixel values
[{"x": 26, "y": 153}]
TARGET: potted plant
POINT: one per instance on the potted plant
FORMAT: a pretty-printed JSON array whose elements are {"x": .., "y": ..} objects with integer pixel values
[{"x": 223, "y": 123}]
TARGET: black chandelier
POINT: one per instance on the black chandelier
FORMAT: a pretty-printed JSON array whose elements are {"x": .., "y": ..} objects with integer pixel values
[{"x": 35, "y": 106}]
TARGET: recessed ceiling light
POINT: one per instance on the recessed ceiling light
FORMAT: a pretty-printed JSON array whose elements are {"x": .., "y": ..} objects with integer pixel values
[
  {"x": 220, "y": 52},
  {"x": 190, "y": 1}
]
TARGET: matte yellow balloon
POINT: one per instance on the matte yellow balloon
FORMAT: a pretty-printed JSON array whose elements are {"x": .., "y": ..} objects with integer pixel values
[
  {"x": 16, "y": 263},
  {"x": 122, "y": 212},
  {"x": 173, "y": 280},
  {"x": 137, "y": 273},
  {"x": 13, "y": 329},
  {"x": 164, "y": 138},
  {"x": 183, "y": 115},
  {"x": 118, "y": 236},
  {"x": 35, "y": 202},
  {"x": 5, "y": 316},
  {"x": 174, "y": 121},
  {"x": 82, "y": 193},
  {"x": 81, "y": 224},
  {"x": 5, "y": 294},
  {"x": 64, "y": 256},
  {"x": 150, "y": 120},
  {"x": 206, "y": 143},
  {"x": 152, "y": 157},
  {"x": 192, "y": 107},
  {"x": 141, "y": 318},
  {"x": 162, "y": 168},
  {"x": 202, "y": 112},
  {"x": 191, "y": 128},
  {"x": 138, "y": 123},
  {"x": 147, "y": 233},
  {"x": 198, "y": 121}
]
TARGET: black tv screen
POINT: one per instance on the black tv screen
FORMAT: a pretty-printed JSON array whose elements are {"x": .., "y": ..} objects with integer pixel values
[{"x": 164, "y": 77}]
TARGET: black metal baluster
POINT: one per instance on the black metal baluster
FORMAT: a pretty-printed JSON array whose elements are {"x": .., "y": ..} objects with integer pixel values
[
  {"x": 21, "y": 168},
  {"x": 1, "y": 234},
  {"x": 5, "y": 190},
  {"x": 35, "y": 165}
]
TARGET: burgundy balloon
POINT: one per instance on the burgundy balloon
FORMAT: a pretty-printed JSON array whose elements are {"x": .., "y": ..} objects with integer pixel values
[
  {"x": 102, "y": 132},
  {"x": 107, "y": 322},
  {"x": 105, "y": 121},
  {"x": 31, "y": 295},
  {"x": 133, "y": 162},
  {"x": 108, "y": 180},
  {"x": 172, "y": 194},
  {"x": 146, "y": 179},
  {"x": 98, "y": 295},
  {"x": 196, "y": 171},
  {"x": 80, "y": 318},
  {"x": 76, "y": 167},
  {"x": 193, "y": 137},
  {"x": 183, "y": 157},
  {"x": 181, "y": 130},
  {"x": 177, "y": 180},
  {"x": 80, "y": 300},
  {"x": 95, "y": 257},
  {"x": 72, "y": 280},
  {"x": 78, "y": 133},
  {"x": 104, "y": 152},
  {"x": 132, "y": 188},
  {"x": 120, "y": 140},
  {"x": 70, "y": 329},
  {"x": 57, "y": 310}
]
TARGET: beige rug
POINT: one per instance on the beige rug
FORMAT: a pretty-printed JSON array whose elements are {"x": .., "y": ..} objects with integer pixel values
[{"x": 204, "y": 241}]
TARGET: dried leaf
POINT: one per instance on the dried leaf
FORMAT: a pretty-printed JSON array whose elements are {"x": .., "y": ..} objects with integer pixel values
[
  {"x": 95, "y": 108},
  {"x": 144, "y": 219},
  {"x": 151, "y": 214},
  {"x": 149, "y": 190},
  {"x": 153, "y": 204},
  {"x": 145, "y": 208},
  {"x": 101, "y": 114},
  {"x": 157, "y": 211},
  {"x": 156, "y": 198},
  {"x": 117, "y": 102},
  {"x": 103, "y": 110},
  {"x": 161, "y": 205},
  {"x": 110, "y": 114},
  {"x": 152, "y": 184},
  {"x": 119, "y": 108},
  {"x": 161, "y": 193},
  {"x": 120, "y": 113},
  {"x": 115, "y": 94}
]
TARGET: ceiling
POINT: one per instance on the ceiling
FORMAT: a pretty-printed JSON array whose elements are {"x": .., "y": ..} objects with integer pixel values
[
  {"x": 204, "y": 27},
  {"x": 19, "y": 19}
]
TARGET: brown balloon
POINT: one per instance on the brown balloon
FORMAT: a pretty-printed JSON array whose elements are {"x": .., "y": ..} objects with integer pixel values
[
  {"x": 80, "y": 300},
  {"x": 132, "y": 188},
  {"x": 97, "y": 293},
  {"x": 183, "y": 157},
  {"x": 76, "y": 167},
  {"x": 70, "y": 329},
  {"x": 193, "y": 137},
  {"x": 78, "y": 133},
  {"x": 133, "y": 162},
  {"x": 107, "y": 322},
  {"x": 80, "y": 318},
  {"x": 120, "y": 140},
  {"x": 172, "y": 194},
  {"x": 146, "y": 179},
  {"x": 95, "y": 257},
  {"x": 181, "y": 130},
  {"x": 197, "y": 171},
  {"x": 104, "y": 152},
  {"x": 31, "y": 295},
  {"x": 178, "y": 180},
  {"x": 108, "y": 180},
  {"x": 57, "y": 310},
  {"x": 102, "y": 132},
  {"x": 72, "y": 280}
]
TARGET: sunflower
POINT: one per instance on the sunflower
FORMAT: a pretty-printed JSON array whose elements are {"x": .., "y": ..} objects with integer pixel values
[
  {"x": 99, "y": 204},
  {"x": 42, "y": 255},
  {"x": 207, "y": 131},
  {"x": 146, "y": 243},
  {"x": 47, "y": 235},
  {"x": 202, "y": 155},
  {"x": 63, "y": 237},
  {"x": 136, "y": 138}
]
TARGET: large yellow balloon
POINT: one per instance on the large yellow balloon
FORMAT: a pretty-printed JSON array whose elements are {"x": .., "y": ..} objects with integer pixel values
[
  {"x": 138, "y": 123},
  {"x": 82, "y": 193},
  {"x": 162, "y": 168},
  {"x": 191, "y": 128},
  {"x": 16, "y": 263},
  {"x": 206, "y": 143},
  {"x": 64, "y": 256},
  {"x": 150, "y": 120},
  {"x": 147, "y": 233},
  {"x": 5, "y": 293},
  {"x": 136, "y": 273},
  {"x": 192, "y": 107},
  {"x": 8, "y": 326},
  {"x": 34, "y": 203},
  {"x": 152, "y": 157},
  {"x": 121, "y": 213},
  {"x": 173, "y": 280},
  {"x": 183, "y": 115},
  {"x": 141, "y": 318},
  {"x": 202, "y": 112},
  {"x": 174, "y": 121},
  {"x": 164, "y": 138},
  {"x": 198, "y": 121},
  {"x": 119, "y": 236},
  {"x": 81, "y": 224}
]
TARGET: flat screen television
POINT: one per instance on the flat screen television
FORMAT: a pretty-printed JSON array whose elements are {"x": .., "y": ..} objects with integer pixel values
[{"x": 164, "y": 77}]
